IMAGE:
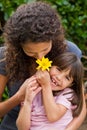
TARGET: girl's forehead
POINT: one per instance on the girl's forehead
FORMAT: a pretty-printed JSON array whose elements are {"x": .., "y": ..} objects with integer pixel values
[{"x": 66, "y": 69}]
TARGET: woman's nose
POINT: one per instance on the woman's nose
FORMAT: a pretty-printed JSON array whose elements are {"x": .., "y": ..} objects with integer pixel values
[{"x": 39, "y": 56}]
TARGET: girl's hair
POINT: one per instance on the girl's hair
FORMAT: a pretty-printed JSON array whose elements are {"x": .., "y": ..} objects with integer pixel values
[
  {"x": 34, "y": 22},
  {"x": 85, "y": 87},
  {"x": 70, "y": 61}
]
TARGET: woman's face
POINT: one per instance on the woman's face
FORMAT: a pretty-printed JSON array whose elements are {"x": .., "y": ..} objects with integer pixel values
[
  {"x": 37, "y": 50},
  {"x": 60, "y": 78}
]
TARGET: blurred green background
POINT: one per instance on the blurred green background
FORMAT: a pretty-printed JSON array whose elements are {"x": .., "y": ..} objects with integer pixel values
[{"x": 73, "y": 15}]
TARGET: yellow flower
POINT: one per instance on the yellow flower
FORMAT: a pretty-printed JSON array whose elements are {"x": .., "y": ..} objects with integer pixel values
[{"x": 44, "y": 64}]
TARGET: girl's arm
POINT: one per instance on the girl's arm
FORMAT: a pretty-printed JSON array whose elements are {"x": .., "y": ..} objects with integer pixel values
[
  {"x": 13, "y": 101},
  {"x": 77, "y": 121},
  {"x": 53, "y": 111},
  {"x": 24, "y": 118}
]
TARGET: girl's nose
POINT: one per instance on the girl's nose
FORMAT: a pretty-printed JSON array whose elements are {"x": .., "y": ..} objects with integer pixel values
[{"x": 59, "y": 77}]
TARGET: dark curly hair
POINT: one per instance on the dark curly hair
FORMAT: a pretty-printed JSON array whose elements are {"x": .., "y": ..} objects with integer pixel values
[{"x": 35, "y": 22}]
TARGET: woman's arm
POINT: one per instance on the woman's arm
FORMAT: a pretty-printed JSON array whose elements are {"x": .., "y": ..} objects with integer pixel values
[
  {"x": 77, "y": 121},
  {"x": 23, "y": 120},
  {"x": 6, "y": 106}
]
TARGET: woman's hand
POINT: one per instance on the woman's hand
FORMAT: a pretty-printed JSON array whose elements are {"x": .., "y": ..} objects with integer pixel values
[
  {"x": 21, "y": 92},
  {"x": 31, "y": 91}
]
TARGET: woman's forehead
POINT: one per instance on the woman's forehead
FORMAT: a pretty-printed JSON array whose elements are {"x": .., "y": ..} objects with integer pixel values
[{"x": 35, "y": 47}]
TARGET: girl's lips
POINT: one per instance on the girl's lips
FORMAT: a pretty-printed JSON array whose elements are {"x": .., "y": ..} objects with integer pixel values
[{"x": 54, "y": 82}]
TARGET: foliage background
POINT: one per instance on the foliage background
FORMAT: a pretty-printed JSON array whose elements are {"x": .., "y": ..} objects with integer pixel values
[{"x": 73, "y": 16}]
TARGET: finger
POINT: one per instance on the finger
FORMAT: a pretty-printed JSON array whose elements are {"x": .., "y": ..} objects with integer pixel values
[
  {"x": 32, "y": 84},
  {"x": 33, "y": 78},
  {"x": 31, "y": 88},
  {"x": 38, "y": 90}
]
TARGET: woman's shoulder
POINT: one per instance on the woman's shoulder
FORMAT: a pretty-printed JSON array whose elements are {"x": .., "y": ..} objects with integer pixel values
[
  {"x": 2, "y": 61},
  {"x": 2, "y": 51},
  {"x": 72, "y": 47}
]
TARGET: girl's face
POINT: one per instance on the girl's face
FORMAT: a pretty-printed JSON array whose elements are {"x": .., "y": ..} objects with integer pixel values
[
  {"x": 60, "y": 79},
  {"x": 37, "y": 50}
]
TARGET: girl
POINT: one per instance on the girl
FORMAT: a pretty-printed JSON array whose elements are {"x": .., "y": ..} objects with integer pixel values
[{"x": 60, "y": 98}]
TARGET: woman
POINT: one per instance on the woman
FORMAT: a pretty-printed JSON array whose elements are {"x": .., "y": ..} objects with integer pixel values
[{"x": 32, "y": 32}]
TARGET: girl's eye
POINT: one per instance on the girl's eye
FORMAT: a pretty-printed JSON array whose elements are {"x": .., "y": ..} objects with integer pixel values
[
  {"x": 58, "y": 69},
  {"x": 68, "y": 78}
]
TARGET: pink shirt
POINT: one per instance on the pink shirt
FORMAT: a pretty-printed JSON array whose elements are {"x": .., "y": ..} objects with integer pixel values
[{"x": 39, "y": 119}]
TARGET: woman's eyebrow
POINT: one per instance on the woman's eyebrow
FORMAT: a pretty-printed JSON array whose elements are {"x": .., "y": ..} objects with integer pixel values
[{"x": 36, "y": 52}]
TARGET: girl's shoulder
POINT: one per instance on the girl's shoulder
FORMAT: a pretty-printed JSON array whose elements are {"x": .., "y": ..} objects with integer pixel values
[
  {"x": 65, "y": 97},
  {"x": 67, "y": 92}
]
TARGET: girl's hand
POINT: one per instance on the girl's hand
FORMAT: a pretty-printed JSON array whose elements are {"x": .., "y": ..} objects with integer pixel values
[{"x": 43, "y": 78}]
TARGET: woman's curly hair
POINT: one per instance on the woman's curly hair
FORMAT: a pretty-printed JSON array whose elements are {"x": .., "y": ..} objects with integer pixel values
[{"x": 35, "y": 22}]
